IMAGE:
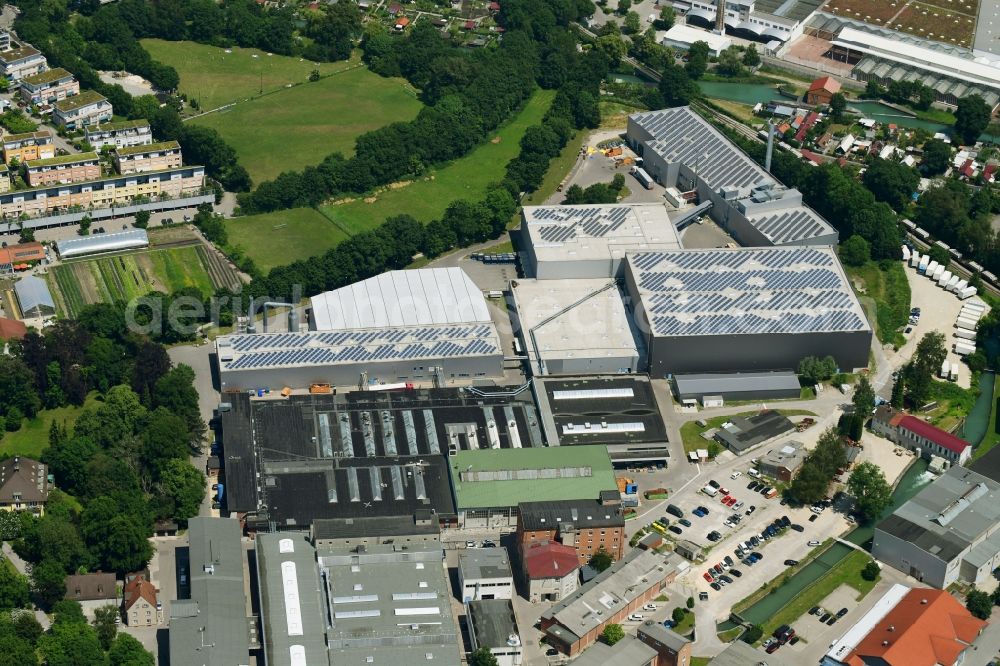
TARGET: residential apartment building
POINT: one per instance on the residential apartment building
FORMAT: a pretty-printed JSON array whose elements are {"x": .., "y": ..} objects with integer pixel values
[
  {"x": 139, "y": 603},
  {"x": 48, "y": 87},
  {"x": 152, "y": 157},
  {"x": 586, "y": 525},
  {"x": 24, "y": 485},
  {"x": 551, "y": 571},
  {"x": 63, "y": 169},
  {"x": 4, "y": 40},
  {"x": 485, "y": 573},
  {"x": 117, "y": 191},
  {"x": 28, "y": 146},
  {"x": 916, "y": 434},
  {"x": 119, "y": 135},
  {"x": 22, "y": 61},
  {"x": 574, "y": 624},
  {"x": 87, "y": 108},
  {"x": 4, "y": 178}
]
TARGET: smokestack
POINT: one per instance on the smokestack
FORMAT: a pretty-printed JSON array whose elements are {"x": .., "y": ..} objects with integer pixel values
[
  {"x": 770, "y": 146},
  {"x": 720, "y": 17}
]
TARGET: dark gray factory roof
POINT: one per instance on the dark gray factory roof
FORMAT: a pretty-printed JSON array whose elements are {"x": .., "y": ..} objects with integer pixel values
[
  {"x": 745, "y": 291},
  {"x": 371, "y": 526},
  {"x": 792, "y": 225},
  {"x": 493, "y": 622},
  {"x": 746, "y": 432},
  {"x": 581, "y": 513}
]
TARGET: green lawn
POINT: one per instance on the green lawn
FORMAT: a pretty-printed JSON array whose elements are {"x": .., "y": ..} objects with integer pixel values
[
  {"x": 884, "y": 289},
  {"x": 846, "y": 572},
  {"x": 213, "y": 77},
  {"x": 300, "y": 126},
  {"x": 467, "y": 177},
  {"x": 992, "y": 433},
  {"x": 700, "y": 661},
  {"x": 277, "y": 239},
  {"x": 691, "y": 431},
  {"x": 685, "y": 626},
  {"x": 559, "y": 168},
  {"x": 34, "y": 434}
]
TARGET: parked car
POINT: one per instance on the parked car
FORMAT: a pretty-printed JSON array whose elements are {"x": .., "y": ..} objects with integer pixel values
[
  {"x": 704, "y": 509},
  {"x": 703, "y": 596},
  {"x": 489, "y": 544},
  {"x": 812, "y": 518},
  {"x": 470, "y": 544},
  {"x": 708, "y": 576},
  {"x": 718, "y": 569},
  {"x": 685, "y": 522},
  {"x": 772, "y": 648},
  {"x": 698, "y": 512},
  {"x": 725, "y": 579},
  {"x": 815, "y": 610},
  {"x": 791, "y": 563},
  {"x": 738, "y": 505},
  {"x": 842, "y": 612},
  {"x": 552, "y": 652},
  {"x": 832, "y": 621},
  {"x": 750, "y": 486},
  {"x": 735, "y": 475},
  {"x": 636, "y": 617},
  {"x": 736, "y": 572},
  {"x": 715, "y": 586},
  {"x": 728, "y": 560},
  {"x": 714, "y": 484},
  {"x": 797, "y": 527},
  {"x": 825, "y": 617},
  {"x": 675, "y": 529},
  {"x": 712, "y": 537},
  {"x": 813, "y": 543},
  {"x": 649, "y": 607},
  {"x": 750, "y": 510}
]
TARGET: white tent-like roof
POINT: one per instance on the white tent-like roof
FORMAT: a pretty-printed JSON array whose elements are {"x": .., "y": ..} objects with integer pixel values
[{"x": 94, "y": 244}]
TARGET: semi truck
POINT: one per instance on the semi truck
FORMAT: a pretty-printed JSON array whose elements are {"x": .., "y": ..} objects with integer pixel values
[
  {"x": 965, "y": 334},
  {"x": 643, "y": 177},
  {"x": 964, "y": 348}
]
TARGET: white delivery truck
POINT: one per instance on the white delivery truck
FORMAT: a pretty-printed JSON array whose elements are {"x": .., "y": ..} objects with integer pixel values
[
  {"x": 945, "y": 369},
  {"x": 938, "y": 272},
  {"x": 931, "y": 267},
  {"x": 969, "y": 324},
  {"x": 925, "y": 260},
  {"x": 964, "y": 348},
  {"x": 954, "y": 372},
  {"x": 952, "y": 282},
  {"x": 906, "y": 253},
  {"x": 968, "y": 292},
  {"x": 965, "y": 334},
  {"x": 943, "y": 278},
  {"x": 914, "y": 259},
  {"x": 959, "y": 286}
]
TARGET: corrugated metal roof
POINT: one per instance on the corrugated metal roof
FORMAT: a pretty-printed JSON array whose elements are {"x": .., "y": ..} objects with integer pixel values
[
  {"x": 33, "y": 294},
  {"x": 422, "y": 297},
  {"x": 711, "y": 384},
  {"x": 122, "y": 240}
]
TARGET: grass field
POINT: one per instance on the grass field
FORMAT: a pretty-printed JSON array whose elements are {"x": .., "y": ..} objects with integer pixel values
[
  {"x": 887, "y": 292},
  {"x": 467, "y": 177},
  {"x": 127, "y": 276},
  {"x": 276, "y": 239},
  {"x": 297, "y": 127},
  {"x": 993, "y": 431},
  {"x": 34, "y": 434},
  {"x": 214, "y": 77}
]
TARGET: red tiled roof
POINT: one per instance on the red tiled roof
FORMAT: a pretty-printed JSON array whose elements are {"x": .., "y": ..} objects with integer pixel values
[
  {"x": 22, "y": 252},
  {"x": 470, "y": 25},
  {"x": 827, "y": 83},
  {"x": 933, "y": 433},
  {"x": 549, "y": 559},
  {"x": 988, "y": 172},
  {"x": 811, "y": 156},
  {"x": 927, "y": 627},
  {"x": 12, "y": 329},
  {"x": 139, "y": 588},
  {"x": 967, "y": 169}
]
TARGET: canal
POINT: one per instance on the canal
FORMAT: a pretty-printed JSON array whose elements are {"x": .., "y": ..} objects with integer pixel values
[{"x": 913, "y": 480}]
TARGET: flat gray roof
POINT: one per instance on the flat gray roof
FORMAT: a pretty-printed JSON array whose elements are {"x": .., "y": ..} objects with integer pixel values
[
  {"x": 629, "y": 651},
  {"x": 598, "y": 231},
  {"x": 740, "y": 654},
  {"x": 789, "y": 455},
  {"x": 493, "y": 622},
  {"x": 477, "y": 563},
  {"x": 212, "y": 628},
  {"x": 745, "y": 291},
  {"x": 945, "y": 518},
  {"x": 712, "y": 383}
]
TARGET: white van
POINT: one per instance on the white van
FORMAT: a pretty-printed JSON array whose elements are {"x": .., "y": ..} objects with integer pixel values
[
  {"x": 753, "y": 473},
  {"x": 710, "y": 491}
]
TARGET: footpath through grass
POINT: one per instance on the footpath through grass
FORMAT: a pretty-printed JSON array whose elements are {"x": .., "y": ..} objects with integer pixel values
[
  {"x": 883, "y": 286},
  {"x": 34, "y": 434},
  {"x": 465, "y": 178},
  {"x": 279, "y": 238},
  {"x": 213, "y": 77}
]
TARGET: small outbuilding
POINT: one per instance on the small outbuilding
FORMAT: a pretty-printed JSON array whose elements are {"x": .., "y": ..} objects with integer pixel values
[
  {"x": 133, "y": 239},
  {"x": 34, "y": 297},
  {"x": 822, "y": 90}
]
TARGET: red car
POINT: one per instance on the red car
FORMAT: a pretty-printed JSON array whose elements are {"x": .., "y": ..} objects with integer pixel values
[{"x": 708, "y": 576}]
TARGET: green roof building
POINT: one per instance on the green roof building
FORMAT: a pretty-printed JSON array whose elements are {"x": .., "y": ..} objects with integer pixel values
[{"x": 490, "y": 483}]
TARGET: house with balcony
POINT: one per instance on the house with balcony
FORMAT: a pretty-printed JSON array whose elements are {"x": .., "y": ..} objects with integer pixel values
[
  {"x": 28, "y": 146},
  {"x": 48, "y": 87},
  {"x": 119, "y": 135},
  {"x": 152, "y": 157},
  {"x": 87, "y": 108},
  {"x": 21, "y": 61},
  {"x": 24, "y": 485},
  {"x": 63, "y": 169}
]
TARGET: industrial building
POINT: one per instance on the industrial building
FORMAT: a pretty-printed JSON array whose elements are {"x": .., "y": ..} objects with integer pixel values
[
  {"x": 214, "y": 626},
  {"x": 72, "y": 248},
  {"x": 681, "y": 149},
  {"x": 381, "y": 604},
  {"x": 948, "y": 532},
  {"x": 372, "y": 530},
  {"x": 550, "y": 570},
  {"x": 590, "y": 241},
  {"x": 745, "y": 309},
  {"x": 588, "y": 525},
  {"x": 987, "y": 38},
  {"x": 908, "y": 627},
  {"x": 574, "y": 327},
  {"x": 492, "y": 625},
  {"x": 652, "y": 645},
  {"x": 737, "y": 386},
  {"x": 770, "y": 22},
  {"x": 918, "y": 435},
  {"x": 741, "y": 433},
  {"x": 485, "y": 573},
  {"x": 34, "y": 298},
  {"x": 424, "y": 325},
  {"x": 783, "y": 462},
  {"x": 490, "y": 483},
  {"x": 572, "y": 625}
]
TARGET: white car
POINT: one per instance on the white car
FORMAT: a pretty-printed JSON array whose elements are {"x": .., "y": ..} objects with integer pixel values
[
  {"x": 735, "y": 475},
  {"x": 813, "y": 543},
  {"x": 738, "y": 505},
  {"x": 649, "y": 607},
  {"x": 636, "y": 617}
]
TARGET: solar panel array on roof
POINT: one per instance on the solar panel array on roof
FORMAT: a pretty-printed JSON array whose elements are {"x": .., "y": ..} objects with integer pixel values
[
  {"x": 682, "y": 136},
  {"x": 794, "y": 224},
  {"x": 745, "y": 291},
  {"x": 560, "y": 223}
]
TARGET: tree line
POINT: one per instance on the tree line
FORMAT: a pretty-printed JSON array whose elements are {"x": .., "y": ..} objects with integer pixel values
[{"x": 126, "y": 458}]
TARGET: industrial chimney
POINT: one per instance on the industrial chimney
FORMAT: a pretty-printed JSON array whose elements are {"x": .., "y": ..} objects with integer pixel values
[
  {"x": 720, "y": 17},
  {"x": 770, "y": 146}
]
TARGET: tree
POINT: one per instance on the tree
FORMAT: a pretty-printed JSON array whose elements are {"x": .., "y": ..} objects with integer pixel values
[
  {"x": 678, "y": 614},
  {"x": 71, "y": 645},
  {"x": 613, "y": 47},
  {"x": 690, "y": 602},
  {"x": 838, "y": 104},
  {"x": 811, "y": 483},
  {"x": 697, "y": 60},
  {"x": 898, "y": 391},
  {"x": 141, "y": 219},
  {"x": 813, "y": 369},
  {"x": 753, "y": 634},
  {"x": 184, "y": 488},
  {"x": 891, "y": 182},
  {"x": 314, "y": 75},
  {"x": 666, "y": 19},
  {"x": 750, "y": 56},
  {"x": 15, "y": 650},
  {"x": 872, "y": 493},
  {"x": 730, "y": 62},
  {"x": 937, "y": 157},
  {"x": 612, "y": 633},
  {"x": 631, "y": 24},
  {"x": 871, "y": 571},
  {"x": 864, "y": 397},
  {"x": 927, "y": 359},
  {"x": 624, "y": 6},
  {"x": 14, "y": 588},
  {"x": 979, "y": 604},
  {"x": 48, "y": 581},
  {"x": 855, "y": 251},
  {"x": 972, "y": 115},
  {"x": 676, "y": 86},
  {"x": 127, "y": 651},
  {"x": 68, "y": 611},
  {"x": 482, "y": 657},
  {"x": 105, "y": 625},
  {"x": 85, "y": 225},
  {"x": 601, "y": 560}
]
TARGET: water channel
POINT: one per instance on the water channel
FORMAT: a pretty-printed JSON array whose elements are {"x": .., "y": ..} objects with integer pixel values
[{"x": 913, "y": 480}]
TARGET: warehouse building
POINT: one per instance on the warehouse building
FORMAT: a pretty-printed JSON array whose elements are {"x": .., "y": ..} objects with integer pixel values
[
  {"x": 741, "y": 433},
  {"x": 737, "y": 386},
  {"x": 948, "y": 532},
  {"x": 590, "y": 241},
  {"x": 918, "y": 435},
  {"x": 371, "y": 530},
  {"x": 574, "y": 327},
  {"x": 492, "y": 625},
  {"x": 681, "y": 149},
  {"x": 34, "y": 298},
  {"x": 652, "y": 645},
  {"x": 380, "y": 604},
  {"x": 745, "y": 309},
  {"x": 133, "y": 239},
  {"x": 490, "y": 483},
  {"x": 423, "y": 325},
  {"x": 485, "y": 573},
  {"x": 783, "y": 462}
]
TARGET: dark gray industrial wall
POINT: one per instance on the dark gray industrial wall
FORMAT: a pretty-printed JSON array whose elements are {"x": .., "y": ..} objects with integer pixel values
[
  {"x": 729, "y": 396},
  {"x": 742, "y": 353}
]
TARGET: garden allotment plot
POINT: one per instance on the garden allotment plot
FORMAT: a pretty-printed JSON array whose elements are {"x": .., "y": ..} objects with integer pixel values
[{"x": 127, "y": 276}]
